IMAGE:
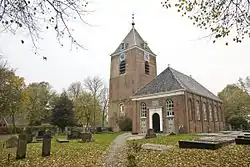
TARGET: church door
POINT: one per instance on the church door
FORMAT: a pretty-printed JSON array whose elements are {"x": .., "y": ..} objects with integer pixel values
[
  {"x": 156, "y": 122},
  {"x": 170, "y": 125}
]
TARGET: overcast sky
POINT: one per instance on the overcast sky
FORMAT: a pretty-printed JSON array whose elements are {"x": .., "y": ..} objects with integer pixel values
[{"x": 173, "y": 38}]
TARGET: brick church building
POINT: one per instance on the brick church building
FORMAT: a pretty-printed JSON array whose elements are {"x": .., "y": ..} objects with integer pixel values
[{"x": 168, "y": 102}]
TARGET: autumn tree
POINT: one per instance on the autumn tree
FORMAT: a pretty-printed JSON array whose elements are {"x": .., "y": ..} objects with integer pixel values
[
  {"x": 222, "y": 18},
  {"x": 62, "y": 113},
  {"x": 95, "y": 86},
  {"x": 35, "y": 16},
  {"x": 38, "y": 102},
  {"x": 83, "y": 109},
  {"x": 12, "y": 96},
  {"x": 236, "y": 102}
]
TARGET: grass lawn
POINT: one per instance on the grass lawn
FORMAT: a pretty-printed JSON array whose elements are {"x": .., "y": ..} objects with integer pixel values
[
  {"x": 72, "y": 154},
  {"x": 229, "y": 156}
]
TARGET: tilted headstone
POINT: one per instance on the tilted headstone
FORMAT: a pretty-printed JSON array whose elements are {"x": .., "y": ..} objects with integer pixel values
[
  {"x": 86, "y": 137},
  {"x": 21, "y": 146},
  {"x": 150, "y": 133},
  {"x": 46, "y": 144}
]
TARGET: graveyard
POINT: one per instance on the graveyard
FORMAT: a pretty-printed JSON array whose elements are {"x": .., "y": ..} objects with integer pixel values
[
  {"x": 72, "y": 153},
  {"x": 166, "y": 151}
]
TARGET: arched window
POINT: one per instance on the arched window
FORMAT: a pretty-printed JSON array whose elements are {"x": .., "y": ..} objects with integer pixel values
[
  {"x": 122, "y": 108},
  {"x": 215, "y": 113},
  {"x": 198, "y": 115},
  {"x": 219, "y": 114},
  {"x": 190, "y": 110},
  {"x": 143, "y": 110},
  {"x": 204, "y": 111},
  {"x": 210, "y": 112},
  {"x": 122, "y": 67},
  {"x": 146, "y": 67},
  {"x": 170, "y": 107}
]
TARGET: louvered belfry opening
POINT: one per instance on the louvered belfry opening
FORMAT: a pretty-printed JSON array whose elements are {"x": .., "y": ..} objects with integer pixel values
[
  {"x": 146, "y": 67},
  {"x": 122, "y": 67}
]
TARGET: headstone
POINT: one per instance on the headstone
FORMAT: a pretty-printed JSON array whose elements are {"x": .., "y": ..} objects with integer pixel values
[
  {"x": 21, "y": 146},
  {"x": 98, "y": 129},
  {"x": 29, "y": 135},
  {"x": 74, "y": 134},
  {"x": 150, "y": 133},
  {"x": 62, "y": 140},
  {"x": 40, "y": 134},
  {"x": 181, "y": 129},
  {"x": 46, "y": 144},
  {"x": 12, "y": 142},
  {"x": 86, "y": 137}
]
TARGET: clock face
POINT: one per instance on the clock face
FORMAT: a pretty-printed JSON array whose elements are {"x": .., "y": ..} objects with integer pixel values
[
  {"x": 122, "y": 56},
  {"x": 146, "y": 56}
]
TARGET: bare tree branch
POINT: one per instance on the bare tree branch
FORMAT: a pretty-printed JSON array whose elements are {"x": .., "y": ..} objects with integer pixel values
[
  {"x": 36, "y": 16},
  {"x": 221, "y": 17}
]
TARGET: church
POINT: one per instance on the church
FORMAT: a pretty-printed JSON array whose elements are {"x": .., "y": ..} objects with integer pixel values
[{"x": 170, "y": 102}]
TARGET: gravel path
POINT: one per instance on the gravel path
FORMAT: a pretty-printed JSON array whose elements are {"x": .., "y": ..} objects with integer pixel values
[{"x": 116, "y": 154}]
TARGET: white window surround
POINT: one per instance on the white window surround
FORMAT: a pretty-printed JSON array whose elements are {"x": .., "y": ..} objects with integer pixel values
[
  {"x": 159, "y": 95},
  {"x": 121, "y": 108},
  {"x": 169, "y": 108}
]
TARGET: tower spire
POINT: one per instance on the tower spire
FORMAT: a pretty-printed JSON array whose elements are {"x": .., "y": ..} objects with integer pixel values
[{"x": 133, "y": 20}]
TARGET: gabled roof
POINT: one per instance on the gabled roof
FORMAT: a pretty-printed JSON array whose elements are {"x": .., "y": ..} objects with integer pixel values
[
  {"x": 171, "y": 80},
  {"x": 133, "y": 38}
]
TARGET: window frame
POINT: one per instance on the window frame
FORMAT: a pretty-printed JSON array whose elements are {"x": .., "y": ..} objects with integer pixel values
[
  {"x": 143, "y": 110},
  {"x": 169, "y": 108}
]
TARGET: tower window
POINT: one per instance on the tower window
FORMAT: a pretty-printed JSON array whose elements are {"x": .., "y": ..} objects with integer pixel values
[
  {"x": 146, "y": 67},
  {"x": 122, "y": 67},
  {"x": 122, "y": 46}
]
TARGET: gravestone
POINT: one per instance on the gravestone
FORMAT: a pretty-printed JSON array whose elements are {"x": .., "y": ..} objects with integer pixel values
[
  {"x": 62, "y": 140},
  {"x": 86, "y": 137},
  {"x": 29, "y": 135},
  {"x": 98, "y": 129},
  {"x": 181, "y": 130},
  {"x": 46, "y": 144},
  {"x": 21, "y": 146},
  {"x": 150, "y": 133},
  {"x": 40, "y": 134},
  {"x": 12, "y": 142},
  {"x": 74, "y": 134}
]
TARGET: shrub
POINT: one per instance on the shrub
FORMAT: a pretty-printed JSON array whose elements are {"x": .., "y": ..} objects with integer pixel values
[
  {"x": 125, "y": 124},
  {"x": 238, "y": 123}
]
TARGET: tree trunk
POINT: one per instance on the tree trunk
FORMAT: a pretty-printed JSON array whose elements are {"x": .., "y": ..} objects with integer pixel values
[
  {"x": 94, "y": 110},
  {"x": 13, "y": 122},
  {"x": 103, "y": 118}
]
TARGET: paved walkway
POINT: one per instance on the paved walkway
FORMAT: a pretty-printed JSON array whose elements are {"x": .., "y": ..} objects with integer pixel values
[{"x": 116, "y": 154}]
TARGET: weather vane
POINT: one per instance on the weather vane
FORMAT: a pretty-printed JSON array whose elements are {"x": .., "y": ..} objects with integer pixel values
[{"x": 133, "y": 19}]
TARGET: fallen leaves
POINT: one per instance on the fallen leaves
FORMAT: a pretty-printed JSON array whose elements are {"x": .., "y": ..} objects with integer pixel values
[
  {"x": 229, "y": 156},
  {"x": 72, "y": 154}
]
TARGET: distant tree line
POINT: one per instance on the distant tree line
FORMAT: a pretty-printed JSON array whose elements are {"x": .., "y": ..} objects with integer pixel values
[{"x": 82, "y": 104}]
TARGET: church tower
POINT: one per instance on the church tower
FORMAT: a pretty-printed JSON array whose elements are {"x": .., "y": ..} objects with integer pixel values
[{"x": 133, "y": 65}]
